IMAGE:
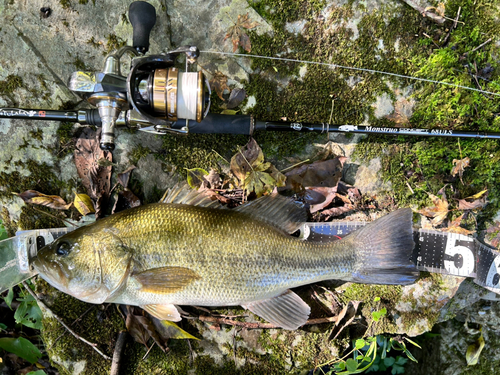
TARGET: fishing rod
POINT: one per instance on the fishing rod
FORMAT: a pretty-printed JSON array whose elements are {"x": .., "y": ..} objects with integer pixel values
[{"x": 158, "y": 98}]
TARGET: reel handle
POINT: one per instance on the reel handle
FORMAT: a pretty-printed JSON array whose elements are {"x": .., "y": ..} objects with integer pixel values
[{"x": 142, "y": 16}]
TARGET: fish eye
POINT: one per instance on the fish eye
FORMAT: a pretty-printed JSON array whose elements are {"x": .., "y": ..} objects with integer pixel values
[{"x": 63, "y": 249}]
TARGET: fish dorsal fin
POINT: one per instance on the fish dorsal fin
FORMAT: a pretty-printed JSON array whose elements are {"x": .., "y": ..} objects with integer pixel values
[
  {"x": 163, "y": 312},
  {"x": 183, "y": 194},
  {"x": 165, "y": 279},
  {"x": 287, "y": 310},
  {"x": 276, "y": 210}
]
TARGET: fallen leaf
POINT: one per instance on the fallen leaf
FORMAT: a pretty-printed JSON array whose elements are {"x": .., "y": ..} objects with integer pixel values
[
  {"x": 438, "y": 212},
  {"x": 170, "y": 330},
  {"x": 440, "y": 9},
  {"x": 124, "y": 200},
  {"x": 321, "y": 173},
  {"x": 83, "y": 204},
  {"x": 403, "y": 110},
  {"x": 252, "y": 172},
  {"x": 494, "y": 234},
  {"x": 51, "y": 201},
  {"x": 236, "y": 98},
  {"x": 319, "y": 197},
  {"x": 473, "y": 203},
  {"x": 459, "y": 167},
  {"x": 474, "y": 351},
  {"x": 195, "y": 177},
  {"x": 238, "y": 35},
  {"x": 219, "y": 84},
  {"x": 141, "y": 328},
  {"x": 124, "y": 177},
  {"x": 95, "y": 178},
  {"x": 454, "y": 227}
]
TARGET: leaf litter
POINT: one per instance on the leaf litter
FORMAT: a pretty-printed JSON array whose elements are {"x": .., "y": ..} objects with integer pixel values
[{"x": 238, "y": 35}]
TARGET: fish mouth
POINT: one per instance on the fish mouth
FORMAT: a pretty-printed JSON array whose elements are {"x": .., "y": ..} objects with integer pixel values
[{"x": 51, "y": 272}]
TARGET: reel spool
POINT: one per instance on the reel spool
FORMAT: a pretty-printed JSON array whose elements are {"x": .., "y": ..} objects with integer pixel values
[{"x": 162, "y": 94}]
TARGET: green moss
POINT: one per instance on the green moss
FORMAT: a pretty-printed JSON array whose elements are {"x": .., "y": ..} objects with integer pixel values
[
  {"x": 113, "y": 43},
  {"x": 10, "y": 84},
  {"x": 79, "y": 64},
  {"x": 100, "y": 325},
  {"x": 66, "y": 4}
]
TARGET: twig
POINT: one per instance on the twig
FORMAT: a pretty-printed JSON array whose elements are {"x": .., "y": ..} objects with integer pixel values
[
  {"x": 151, "y": 347},
  {"x": 428, "y": 36},
  {"x": 72, "y": 324},
  {"x": 479, "y": 46},
  {"x": 54, "y": 216},
  {"x": 212, "y": 319},
  {"x": 120, "y": 344},
  {"x": 455, "y": 22},
  {"x": 44, "y": 306}
]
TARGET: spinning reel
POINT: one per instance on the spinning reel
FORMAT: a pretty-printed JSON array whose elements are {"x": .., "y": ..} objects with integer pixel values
[{"x": 157, "y": 92}]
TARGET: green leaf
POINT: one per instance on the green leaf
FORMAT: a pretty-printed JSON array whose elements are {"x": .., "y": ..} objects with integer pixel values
[
  {"x": 412, "y": 342},
  {"x": 474, "y": 351},
  {"x": 360, "y": 344},
  {"x": 407, "y": 352},
  {"x": 352, "y": 365},
  {"x": 340, "y": 366},
  {"x": 389, "y": 361},
  {"x": 21, "y": 347},
  {"x": 38, "y": 372},
  {"x": 401, "y": 361},
  {"x": 28, "y": 313},
  {"x": 376, "y": 299},
  {"x": 397, "y": 369},
  {"x": 8, "y": 299},
  {"x": 195, "y": 177},
  {"x": 376, "y": 315},
  {"x": 3, "y": 326}
]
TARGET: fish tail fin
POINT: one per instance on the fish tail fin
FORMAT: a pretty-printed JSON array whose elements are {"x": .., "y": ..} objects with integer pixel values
[{"x": 384, "y": 249}]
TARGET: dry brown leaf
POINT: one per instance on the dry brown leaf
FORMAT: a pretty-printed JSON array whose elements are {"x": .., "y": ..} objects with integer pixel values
[
  {"x": 95, "y": 178},
  {"x": 51, "y": 201},
  {"x": 477, "y": 201},
  {"x": 459, "y": 167},
  {"x": 236, "y": 98},
  {"x": 403, "y": 109},
  {"x": 438, "y": 212},
  {"x": 345, "y": 317},
  {"x": 440, "y": 9},
  {"x": 238, "y": 35},
  {"x": 454, "y": 227},
  {"x": 494, "y": 234},
  {"x": 321, "y": 173},
  {"x": 124, "y": 177},
  {"x": 219, "y": 84},
  {"x": 319, "y": 197}
]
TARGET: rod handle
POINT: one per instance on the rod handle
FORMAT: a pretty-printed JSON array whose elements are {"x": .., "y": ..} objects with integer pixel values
[
  {"x": 215, "y": 123},
  {"x": 142, "y": 16}
]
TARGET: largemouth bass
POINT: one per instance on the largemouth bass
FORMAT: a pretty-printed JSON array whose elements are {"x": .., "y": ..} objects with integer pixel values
[{"x": 161, "y": 255}]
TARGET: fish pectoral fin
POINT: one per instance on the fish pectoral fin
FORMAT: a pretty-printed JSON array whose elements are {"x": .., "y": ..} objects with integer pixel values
[
  {"x": 165, "y": 279},
  {"x": 287, "y": 310},
  {"x": 163, "y": 312}
]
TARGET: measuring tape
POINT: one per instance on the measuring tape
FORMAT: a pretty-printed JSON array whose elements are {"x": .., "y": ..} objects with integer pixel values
[{"x": 440, "y": 252}]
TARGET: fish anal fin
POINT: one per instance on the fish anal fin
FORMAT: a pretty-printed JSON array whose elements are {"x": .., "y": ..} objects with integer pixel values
[
  {"x": 163, "y": 312},
  {"x": 165, "y": 279},
  {"x": 286, "y": 310}
]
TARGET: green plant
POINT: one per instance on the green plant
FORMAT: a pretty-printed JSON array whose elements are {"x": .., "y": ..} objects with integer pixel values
[
  {"x": 28, "y": 313},
  {"x": 370, "y": 353}
]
